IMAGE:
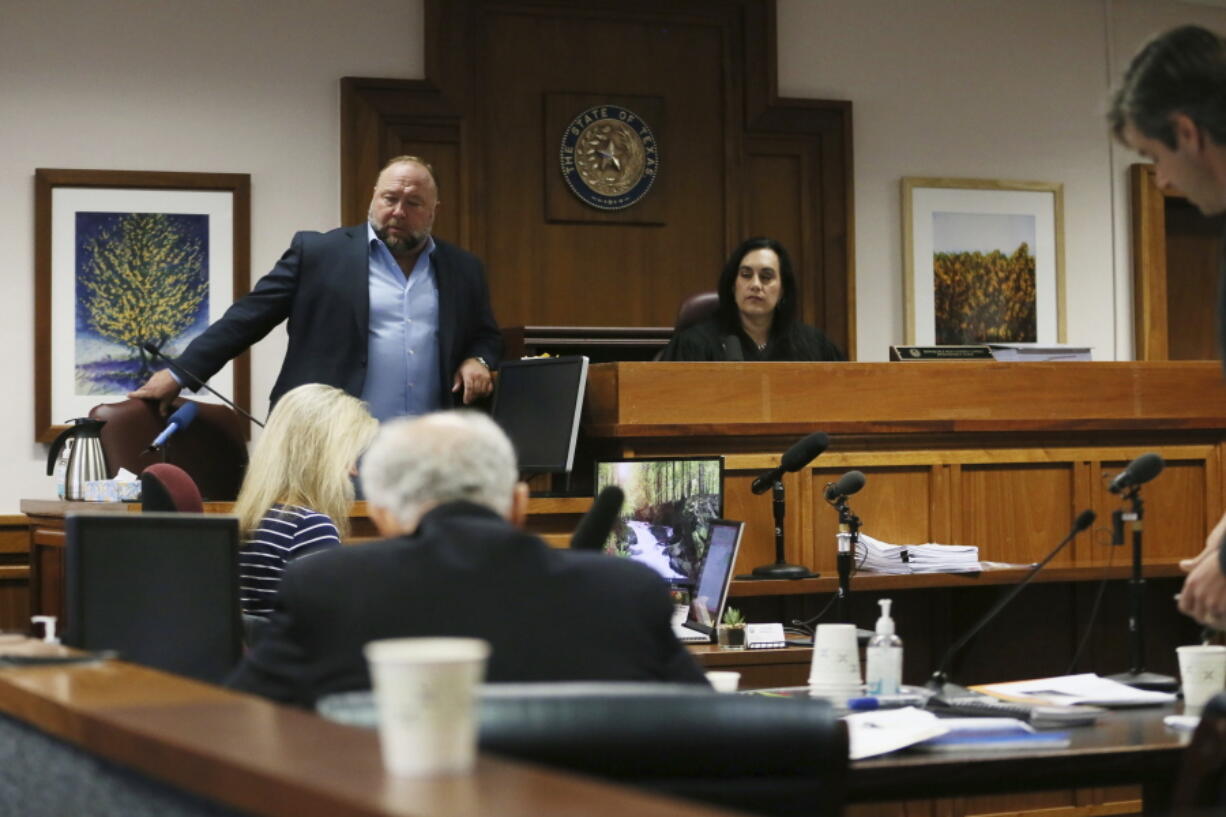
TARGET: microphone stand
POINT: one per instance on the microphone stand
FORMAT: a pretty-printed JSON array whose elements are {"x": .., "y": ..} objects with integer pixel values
[
  {"x": 847, "y": 537},
  {"x": 780, "y": 569},
  {"x": 939, "y": 683},
  {"x": 1137, "y": 676}
]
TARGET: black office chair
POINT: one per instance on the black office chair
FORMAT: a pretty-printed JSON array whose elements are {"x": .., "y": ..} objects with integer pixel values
[
  {"x": 694, "y": 309},
  {"x": 776, "y": 756},
  {"x": 773, "y": 756}
]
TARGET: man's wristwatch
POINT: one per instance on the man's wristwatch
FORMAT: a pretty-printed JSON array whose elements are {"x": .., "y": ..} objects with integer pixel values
[{"x": 482, "y": 361}]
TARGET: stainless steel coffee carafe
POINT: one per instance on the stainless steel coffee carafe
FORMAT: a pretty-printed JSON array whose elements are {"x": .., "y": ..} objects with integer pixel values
[{"x": 85, "y": 458}]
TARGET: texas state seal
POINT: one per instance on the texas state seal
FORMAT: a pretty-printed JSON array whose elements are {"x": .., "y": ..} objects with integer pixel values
[{"x": 609, "y": 157}]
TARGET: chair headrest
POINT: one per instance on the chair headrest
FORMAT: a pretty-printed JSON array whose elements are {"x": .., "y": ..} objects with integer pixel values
[{"x": 166, "y": 487}]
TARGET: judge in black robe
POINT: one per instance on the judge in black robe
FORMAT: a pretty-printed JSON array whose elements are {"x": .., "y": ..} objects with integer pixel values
[{"x": 756, "y": 318}]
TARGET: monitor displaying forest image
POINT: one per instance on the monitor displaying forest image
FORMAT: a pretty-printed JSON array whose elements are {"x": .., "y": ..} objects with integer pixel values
[{"x": 664, "y": 521}]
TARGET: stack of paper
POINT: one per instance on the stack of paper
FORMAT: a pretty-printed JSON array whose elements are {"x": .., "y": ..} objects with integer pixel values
[
  {"x": 1086, "y": 688},
  {"x": 881, "y": 557},
  {"x": 1039, "y": 352}
]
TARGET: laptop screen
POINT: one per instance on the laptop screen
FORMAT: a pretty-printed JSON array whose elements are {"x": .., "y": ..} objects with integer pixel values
[{"x": 707, "y": 605}]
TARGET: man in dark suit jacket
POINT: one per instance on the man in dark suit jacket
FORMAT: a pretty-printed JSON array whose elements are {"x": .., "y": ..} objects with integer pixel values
[
  {"x": 323, "y": 287},
  {"x": 444, "y": 488}
]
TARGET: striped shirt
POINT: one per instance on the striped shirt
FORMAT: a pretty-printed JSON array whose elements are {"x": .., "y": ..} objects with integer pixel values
[{"x": 286, "y": 532}]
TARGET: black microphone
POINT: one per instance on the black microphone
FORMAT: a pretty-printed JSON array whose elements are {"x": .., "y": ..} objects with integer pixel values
[
  {"x": 798, "y": 456},
  {"x": 178, "y": 421},
  {"x": 939, "y": 679},
  {"x": 848, "y": 484},
  {"x": 596, "y": 525},
  {"x": 157, "y": 353},
  {"x": 1139, "y": 471}
]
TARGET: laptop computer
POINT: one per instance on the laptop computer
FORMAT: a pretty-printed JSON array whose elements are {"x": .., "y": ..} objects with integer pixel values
[{"x": 711, "y": 592}]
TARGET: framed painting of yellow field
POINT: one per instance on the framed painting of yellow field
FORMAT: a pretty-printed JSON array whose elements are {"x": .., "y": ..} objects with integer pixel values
[{"x": 983, "y": 261}]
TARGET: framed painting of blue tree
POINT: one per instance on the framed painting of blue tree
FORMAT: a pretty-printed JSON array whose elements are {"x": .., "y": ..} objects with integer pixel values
[{"x": 125, "y": 259}]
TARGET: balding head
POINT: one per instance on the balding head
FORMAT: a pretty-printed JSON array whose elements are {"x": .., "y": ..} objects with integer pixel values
[
  {"x": 403, "y": 205},
  {"x": 417, "y": 463}
]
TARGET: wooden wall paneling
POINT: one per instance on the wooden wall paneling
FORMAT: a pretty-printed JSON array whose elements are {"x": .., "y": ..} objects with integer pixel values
[
  {"x": 1148, "y": 265},
  {"x": 826, "y": 125},
  {"x": 491, "y": 66},
  {"x": 1193, "y": 258},
  {"x": 758, "y": 541},
  {"x": 584, "y": 273},
  {"x": 386, "y": 118},
  {"x": 1017, "y": 513},
  {"x": 14, "y": 573}
]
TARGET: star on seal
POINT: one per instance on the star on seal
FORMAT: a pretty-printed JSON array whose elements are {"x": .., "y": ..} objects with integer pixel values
[{"x": 609, "y": 157}]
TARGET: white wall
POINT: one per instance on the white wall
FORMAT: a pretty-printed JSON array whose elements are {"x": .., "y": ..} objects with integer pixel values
[
  {"x": 992, "y": 89},
  {"x": 186, "y": 85},
  {"x": 966, "y": 88}
]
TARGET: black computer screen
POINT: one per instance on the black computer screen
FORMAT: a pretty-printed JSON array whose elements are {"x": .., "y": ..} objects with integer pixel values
[
  {"x": 538, "y": 402},
  {"x": 160, "y": 588}
]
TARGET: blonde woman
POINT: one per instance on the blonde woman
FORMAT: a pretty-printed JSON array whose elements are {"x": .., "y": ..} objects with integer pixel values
[{"x": 296, "y": 494}]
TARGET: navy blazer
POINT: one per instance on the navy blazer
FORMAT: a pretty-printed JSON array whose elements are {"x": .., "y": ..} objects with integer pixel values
[
  {"x": 321, "y": 288},
  {"x": 549, "y": 614}
]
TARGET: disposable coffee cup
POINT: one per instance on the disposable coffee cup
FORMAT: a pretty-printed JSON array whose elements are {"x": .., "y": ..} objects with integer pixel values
[
  {"x": 1202, "y": 669},
  {"x": 424, "y": 690},
  {"x": 836, "y": 658},
  {"x": 724, "y": 680}
]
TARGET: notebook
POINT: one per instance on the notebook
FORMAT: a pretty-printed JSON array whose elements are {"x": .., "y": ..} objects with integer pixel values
[{"x": 711, "y": 592}]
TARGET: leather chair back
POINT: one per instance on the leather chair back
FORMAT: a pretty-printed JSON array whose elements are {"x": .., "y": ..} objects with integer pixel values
[
  {"x": 212, "y": 450},
  {"x": 696, "y": 309}
]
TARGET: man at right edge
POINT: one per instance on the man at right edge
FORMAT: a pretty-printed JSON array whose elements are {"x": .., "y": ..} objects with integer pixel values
[{"x": 1171, "y": 109}]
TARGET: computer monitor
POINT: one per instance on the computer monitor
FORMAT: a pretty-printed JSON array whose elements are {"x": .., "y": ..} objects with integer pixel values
[
  {"x": 538, "y": 402},
  {"x": 665, "y": 520},
  {"x": 159, "y": 588}
]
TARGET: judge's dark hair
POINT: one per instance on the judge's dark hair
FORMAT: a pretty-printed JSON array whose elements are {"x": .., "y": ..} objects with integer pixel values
[
  {"x": 1181, "y": 71},
  {"x": 785, "y": 310}
]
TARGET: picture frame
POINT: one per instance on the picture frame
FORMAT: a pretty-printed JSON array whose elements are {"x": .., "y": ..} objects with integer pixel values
[
  {"x": 968, "y": 279},
  {"x": 95, "y": 233}
]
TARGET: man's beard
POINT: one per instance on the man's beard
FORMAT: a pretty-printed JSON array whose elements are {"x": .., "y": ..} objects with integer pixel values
[{"x": 400, "y": 247}]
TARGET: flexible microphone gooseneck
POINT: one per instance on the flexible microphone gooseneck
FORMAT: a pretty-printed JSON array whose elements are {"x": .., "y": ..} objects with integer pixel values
[
  {"x": 594, "y": 528},
  {"x": 798, "y": 456},
  {"x": 157, "y": 353},
  {"x": 939, "y": 678}
]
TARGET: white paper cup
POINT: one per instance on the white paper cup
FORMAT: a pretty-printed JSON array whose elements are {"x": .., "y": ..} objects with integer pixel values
[
  {"x": 1202, "y": 668},
  {"x": 424, "y": 690},
  {"x": 836, "y": 657},
  {"x": 724, "y": 680}
]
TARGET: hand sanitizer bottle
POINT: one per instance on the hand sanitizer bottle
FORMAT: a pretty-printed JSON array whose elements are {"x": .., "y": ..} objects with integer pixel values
[{"x": 884, "y": 672}]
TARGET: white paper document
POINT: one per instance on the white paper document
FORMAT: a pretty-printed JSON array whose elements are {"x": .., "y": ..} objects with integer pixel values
[
  {"x": 881, "y": 557},
  {"x": 888, "y": 730},
  {"x": 1086, "y": 688}
]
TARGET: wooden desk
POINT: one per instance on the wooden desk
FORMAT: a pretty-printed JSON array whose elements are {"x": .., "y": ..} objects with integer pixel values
[
  {"x": 1124, "y": 748},
  {"x": 271, "y": 760}
]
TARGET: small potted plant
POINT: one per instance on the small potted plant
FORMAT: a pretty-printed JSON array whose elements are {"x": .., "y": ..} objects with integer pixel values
[{"x": 731, "y": 630}]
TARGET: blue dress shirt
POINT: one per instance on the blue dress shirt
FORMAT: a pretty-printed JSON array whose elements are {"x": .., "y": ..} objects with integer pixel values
[{"x": 402, "y": 374}]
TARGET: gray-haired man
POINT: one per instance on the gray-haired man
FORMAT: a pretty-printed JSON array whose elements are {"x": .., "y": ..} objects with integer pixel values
[{"x": 443, "y": 488}]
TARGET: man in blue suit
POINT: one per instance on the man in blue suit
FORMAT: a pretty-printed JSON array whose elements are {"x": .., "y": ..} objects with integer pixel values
[{"x": 381, "y": 310}]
